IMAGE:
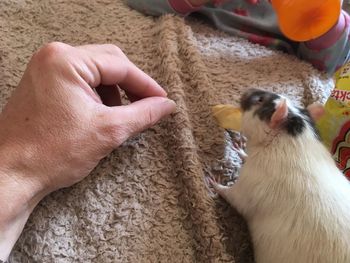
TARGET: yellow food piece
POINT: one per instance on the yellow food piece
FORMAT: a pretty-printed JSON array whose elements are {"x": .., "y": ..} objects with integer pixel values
[{"x": 228, "y": 116}]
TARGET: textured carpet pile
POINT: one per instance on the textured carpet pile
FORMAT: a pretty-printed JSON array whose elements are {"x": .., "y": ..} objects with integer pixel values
[{"x": 148, "y": 200}]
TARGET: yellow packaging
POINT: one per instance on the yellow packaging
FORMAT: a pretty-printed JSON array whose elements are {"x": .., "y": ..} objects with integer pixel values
[{"x": 334, "y": 126}]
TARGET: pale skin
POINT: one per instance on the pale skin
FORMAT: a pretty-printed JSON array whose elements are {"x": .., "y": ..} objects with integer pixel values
[{"x": 54, "y": 129}]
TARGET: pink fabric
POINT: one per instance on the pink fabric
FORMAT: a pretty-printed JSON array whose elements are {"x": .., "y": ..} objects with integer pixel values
[
  {"x": 182, "y": 6},
  {"x": 328, "y": 39}
]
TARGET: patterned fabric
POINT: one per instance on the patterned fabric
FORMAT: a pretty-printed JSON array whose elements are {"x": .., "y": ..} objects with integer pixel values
[{"x": 256, "y": 21}]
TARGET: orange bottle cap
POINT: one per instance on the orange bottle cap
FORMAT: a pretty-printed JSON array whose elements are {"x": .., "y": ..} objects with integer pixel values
[{"x": 303, "y": 20}]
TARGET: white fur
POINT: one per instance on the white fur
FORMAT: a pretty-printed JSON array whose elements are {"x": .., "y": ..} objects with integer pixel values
[{"x": 294, "y": 198}]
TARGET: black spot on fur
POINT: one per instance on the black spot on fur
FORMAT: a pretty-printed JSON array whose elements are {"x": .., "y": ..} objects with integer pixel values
[
  {"x": 255, "y": 97},
  {"x": 294, "y": 125},
  {"x": 310, "y": 121},
  {"x": 266, "y": 110}
]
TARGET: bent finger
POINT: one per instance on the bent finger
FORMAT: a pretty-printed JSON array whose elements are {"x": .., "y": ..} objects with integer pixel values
[{"x": 109, "y": 66}]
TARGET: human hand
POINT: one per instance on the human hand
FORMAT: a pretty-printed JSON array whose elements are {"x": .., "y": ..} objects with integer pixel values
[
  {"x": 55, "y": 129},
  {"x": 57, "y": 120}
]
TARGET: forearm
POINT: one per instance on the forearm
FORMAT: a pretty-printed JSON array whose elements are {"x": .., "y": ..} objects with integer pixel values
[
  {"x": 11, "y": 224},
  {"x": 18, "y": 197}
]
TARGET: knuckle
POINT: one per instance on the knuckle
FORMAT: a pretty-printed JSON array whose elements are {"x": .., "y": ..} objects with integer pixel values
[
  {"x": 54, "y": 47},
  {"x": 50, "y": 53},
  {"x": 118, "y": 135},
  {"x": 115, "y": 50},
  {"x": 151, "y": 118},
  {"x": 115, "y": 134}
]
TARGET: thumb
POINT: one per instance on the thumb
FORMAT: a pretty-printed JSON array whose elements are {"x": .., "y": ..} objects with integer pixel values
[{"x": 133, "y": 118}]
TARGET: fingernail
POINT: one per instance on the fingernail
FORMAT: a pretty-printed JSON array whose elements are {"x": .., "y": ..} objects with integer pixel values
[{"x": 171, "y": 103}]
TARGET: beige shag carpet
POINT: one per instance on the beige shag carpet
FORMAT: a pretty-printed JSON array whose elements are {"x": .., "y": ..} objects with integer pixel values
[{"x": 148, "y": 201}]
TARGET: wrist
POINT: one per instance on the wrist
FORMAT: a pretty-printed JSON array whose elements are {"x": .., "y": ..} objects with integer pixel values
[{"x": 18, "y": 197}]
